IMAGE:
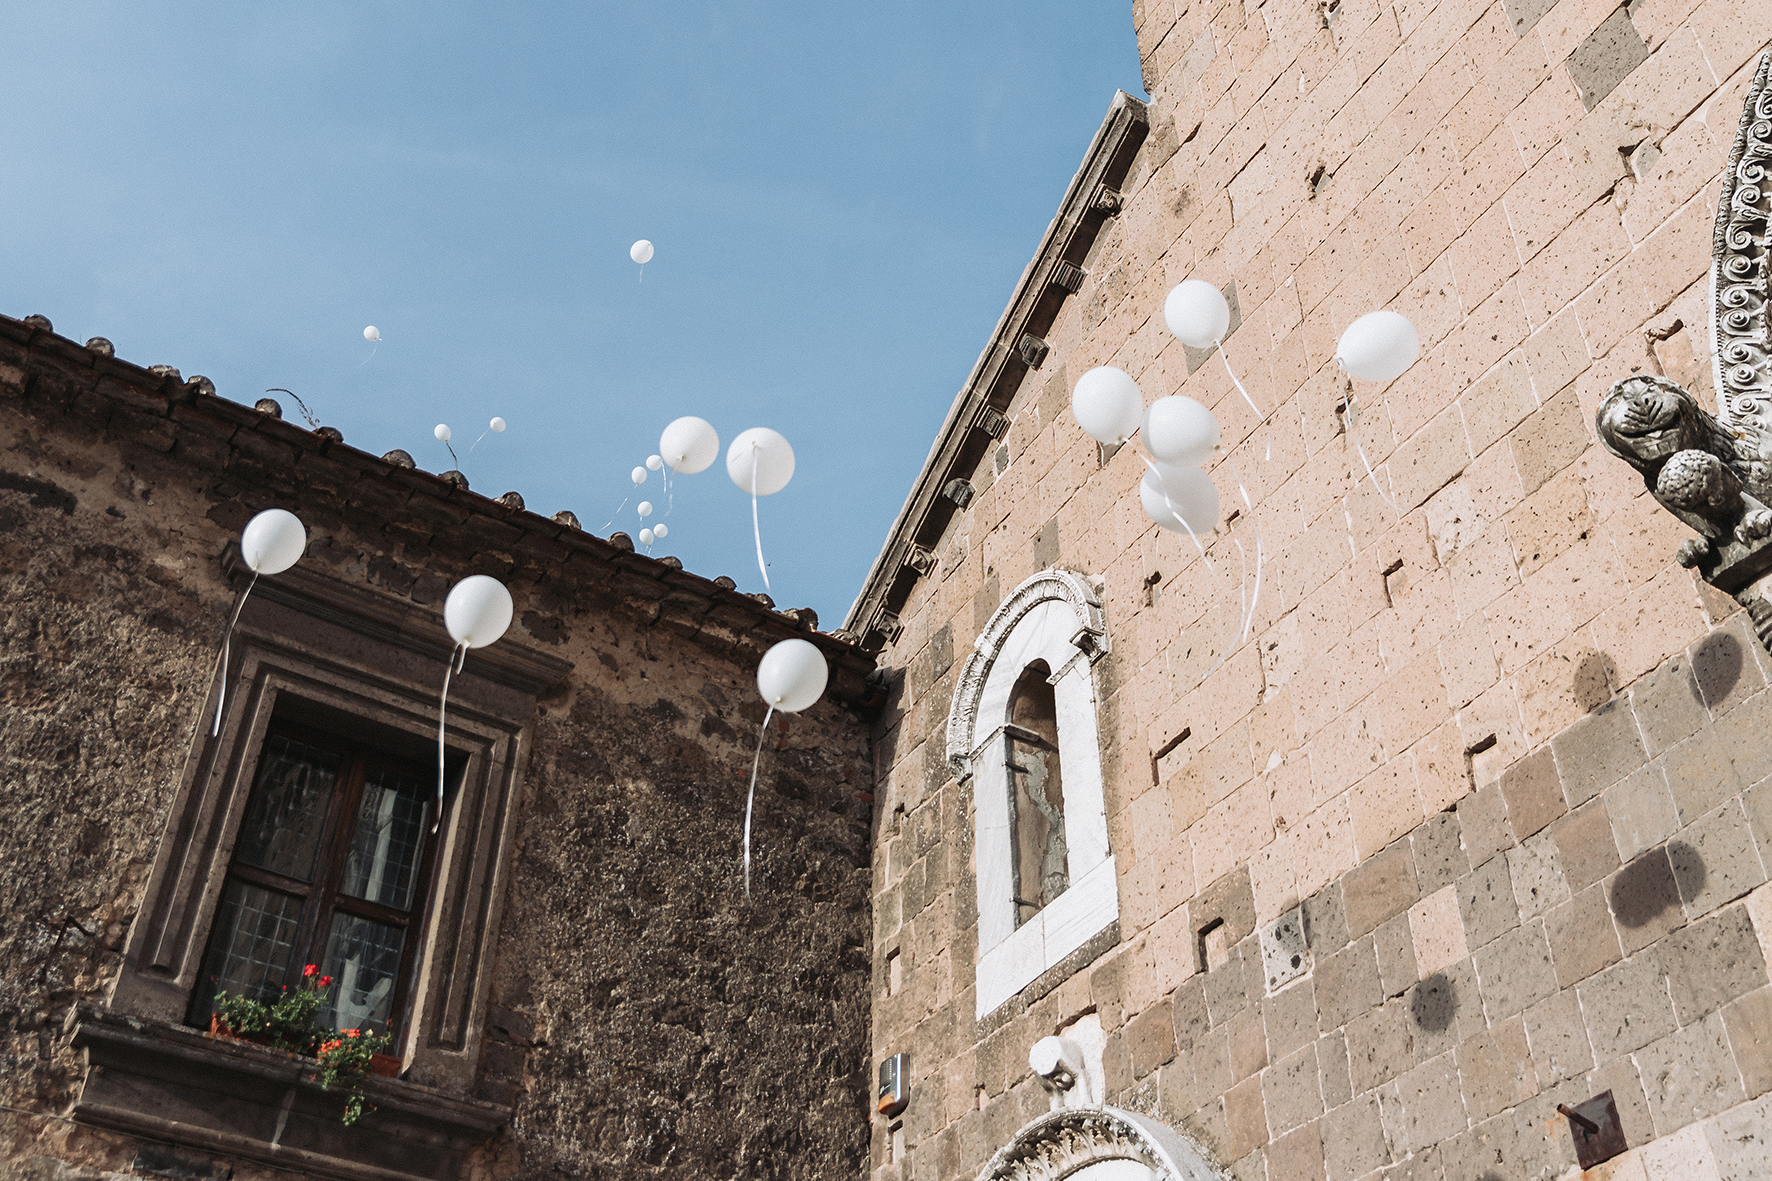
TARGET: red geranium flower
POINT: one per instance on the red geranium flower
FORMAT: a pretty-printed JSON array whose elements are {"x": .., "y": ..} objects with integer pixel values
[
  {"x": 310, "y": 969},
  {"x": 325, "y": 981}
]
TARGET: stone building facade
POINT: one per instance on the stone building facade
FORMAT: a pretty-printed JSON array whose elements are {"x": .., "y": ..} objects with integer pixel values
[
  {"x": 1473, "y": 823},
  {"x": 587, "y": 994}
]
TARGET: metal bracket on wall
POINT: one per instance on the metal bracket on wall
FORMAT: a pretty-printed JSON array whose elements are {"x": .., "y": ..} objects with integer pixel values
[{"x": 1594, "y": 1125}]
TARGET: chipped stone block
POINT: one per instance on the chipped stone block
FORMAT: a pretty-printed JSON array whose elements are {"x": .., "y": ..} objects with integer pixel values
[{"x": 1285, "y": 954}]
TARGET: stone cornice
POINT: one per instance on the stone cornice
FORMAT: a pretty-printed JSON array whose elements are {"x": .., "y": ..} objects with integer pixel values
[
  {"x": 965, "y": 436},
  {"x": 189, "y": 422}
]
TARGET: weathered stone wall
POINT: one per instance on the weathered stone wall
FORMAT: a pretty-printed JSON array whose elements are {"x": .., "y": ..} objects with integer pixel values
[
  {"x": 1451, "y": 735},
  {"x": 645, "y": 1018}
]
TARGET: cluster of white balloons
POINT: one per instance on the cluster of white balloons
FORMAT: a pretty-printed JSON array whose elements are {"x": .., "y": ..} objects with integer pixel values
[
  {"x": 1179, "y": 432},
  {"x": 760, "y": 461}
]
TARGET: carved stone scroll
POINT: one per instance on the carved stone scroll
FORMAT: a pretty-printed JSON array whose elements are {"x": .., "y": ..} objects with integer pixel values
[{"x": 1741, "y": 348}]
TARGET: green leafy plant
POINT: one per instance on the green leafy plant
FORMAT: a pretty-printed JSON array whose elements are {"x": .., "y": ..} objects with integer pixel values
[
  {"x": 243, "y": 1017},
  {"x": 288, "y": 1024},
  {"x": 344, "y": 1061}
]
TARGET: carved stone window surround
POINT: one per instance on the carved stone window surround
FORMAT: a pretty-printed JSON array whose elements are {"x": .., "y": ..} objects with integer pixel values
[
  {"x": 1053, "y": 616},
  {"x": 305, "y": 643}
]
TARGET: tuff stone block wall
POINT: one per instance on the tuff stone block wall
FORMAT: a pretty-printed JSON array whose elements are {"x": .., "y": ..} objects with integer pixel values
[
  {"x": 1494, "y": 742},
  {"x": 644, "y": 1019}
]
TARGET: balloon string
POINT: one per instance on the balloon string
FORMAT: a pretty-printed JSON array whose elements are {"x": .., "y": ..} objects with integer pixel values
[
  {"x": 670, "y": 492},
  {"x": 1254, "y": 598},
  {"x": 618, "y": 508},
  {"x": 750, "y": 798},
  {"x": 452, "y": 454},
  {"x": 1238, "y": 384},
  {"x": 1176, "y": 513},
  {"x": 452, "y": 666},
  {"x": 371, "y": 356},
  {"x": 476, "y": 442},
  {"x": 221, "y": 693},
  {"x": 756, "y": 530},
  {"x": 1348, "y": 422}
]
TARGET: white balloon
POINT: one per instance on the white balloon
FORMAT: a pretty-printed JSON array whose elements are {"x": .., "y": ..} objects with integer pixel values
[
  {"x": 641, "y": 252},
  {"x": 660, "y": 530},
  {"x": 763, "y": 454},
  {"x": 654, "y": 462},
  {"x": 273, "y": 541},
  {"x": 1177, "y": 429},
  {"x": 372, "y": 333},
  {"x": 1107, "y": 404},
  {"x": 1378, "y": 346},
  {"x": 477, "y": 611},
  {"x": 442, "y": 432},
  {"x": 1197, "y": 314},
  {"x": 645, "y": 509},
  {"x": 645, "y": 537},
  {"x": 638, "y": 475},
  {"x": 689, "y": 445},
  {"x": 792, "y": 675},
  {"x": 1178, "y": 488},
  {"x": 497, "y": 427}
]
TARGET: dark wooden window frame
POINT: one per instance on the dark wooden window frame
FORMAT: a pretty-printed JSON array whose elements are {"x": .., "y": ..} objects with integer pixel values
[{"x": 321, "y": 897}]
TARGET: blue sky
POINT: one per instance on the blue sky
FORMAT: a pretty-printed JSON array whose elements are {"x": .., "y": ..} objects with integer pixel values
[{"x": 842, "y": 197}]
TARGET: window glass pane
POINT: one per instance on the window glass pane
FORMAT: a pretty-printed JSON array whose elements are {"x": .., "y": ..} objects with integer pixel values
[
  {"x": 251, "y": 946},
  {"x": 287, "y": 811},
  {"x": 1036, "y": 794},
  {"x": 382, "y": 862},
  {"x": 362, "y": 957}
]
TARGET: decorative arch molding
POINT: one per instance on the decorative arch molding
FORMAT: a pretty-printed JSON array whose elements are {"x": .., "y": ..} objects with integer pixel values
[
  {"x": 1089, "y": 639},
  {"x": 1054, "y": 619},
  {"x": 1098, "y": 1144}
]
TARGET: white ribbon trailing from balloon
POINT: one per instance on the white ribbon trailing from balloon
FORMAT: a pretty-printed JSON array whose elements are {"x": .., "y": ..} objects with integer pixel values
[
  {"x": 791, "y": 677},
  {"x": 1378, "y": 346},
  {"x": 271, "y": 543},
  {"x": 760, "y": 462},
  {"x": 477, "y": 612},
  {"x": 641, "y": 252}
]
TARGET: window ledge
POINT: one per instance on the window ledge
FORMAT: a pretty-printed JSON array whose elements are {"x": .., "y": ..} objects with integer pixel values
[{"x": 169, "y": 1082}]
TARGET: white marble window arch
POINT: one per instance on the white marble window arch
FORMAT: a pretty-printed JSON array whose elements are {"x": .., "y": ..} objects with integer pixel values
[{"x": 1054, "y": 617}]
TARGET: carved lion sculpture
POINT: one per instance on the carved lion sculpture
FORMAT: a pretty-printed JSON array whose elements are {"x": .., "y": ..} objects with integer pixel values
[{"x": 1696, "y": 468}]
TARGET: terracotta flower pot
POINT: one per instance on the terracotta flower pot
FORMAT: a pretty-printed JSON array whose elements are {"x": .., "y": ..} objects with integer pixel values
[{"x": 386, "y": 1065}]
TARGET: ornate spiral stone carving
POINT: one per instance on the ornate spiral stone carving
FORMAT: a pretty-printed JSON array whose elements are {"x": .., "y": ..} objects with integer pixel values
[{"x": 1739, "y": 275}]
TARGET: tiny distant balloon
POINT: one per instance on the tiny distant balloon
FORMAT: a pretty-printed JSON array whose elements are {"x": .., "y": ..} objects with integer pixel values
[
  {"x": 646, "y": 537},
  {"x": 442, "y": 432},
  {"x": 638, "y": 475},
  {"x": 498, "y": 426},
  {"x": 645, "y": 509},
  {"x": 654, "y": 462},
  {"x": 661, "y": 530},
  {"x": 641, "y": 252},
  {"x": 372, "y": 333}
]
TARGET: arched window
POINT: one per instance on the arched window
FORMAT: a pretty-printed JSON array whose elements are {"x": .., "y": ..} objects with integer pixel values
[{"x": 1022, "y": 727}]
